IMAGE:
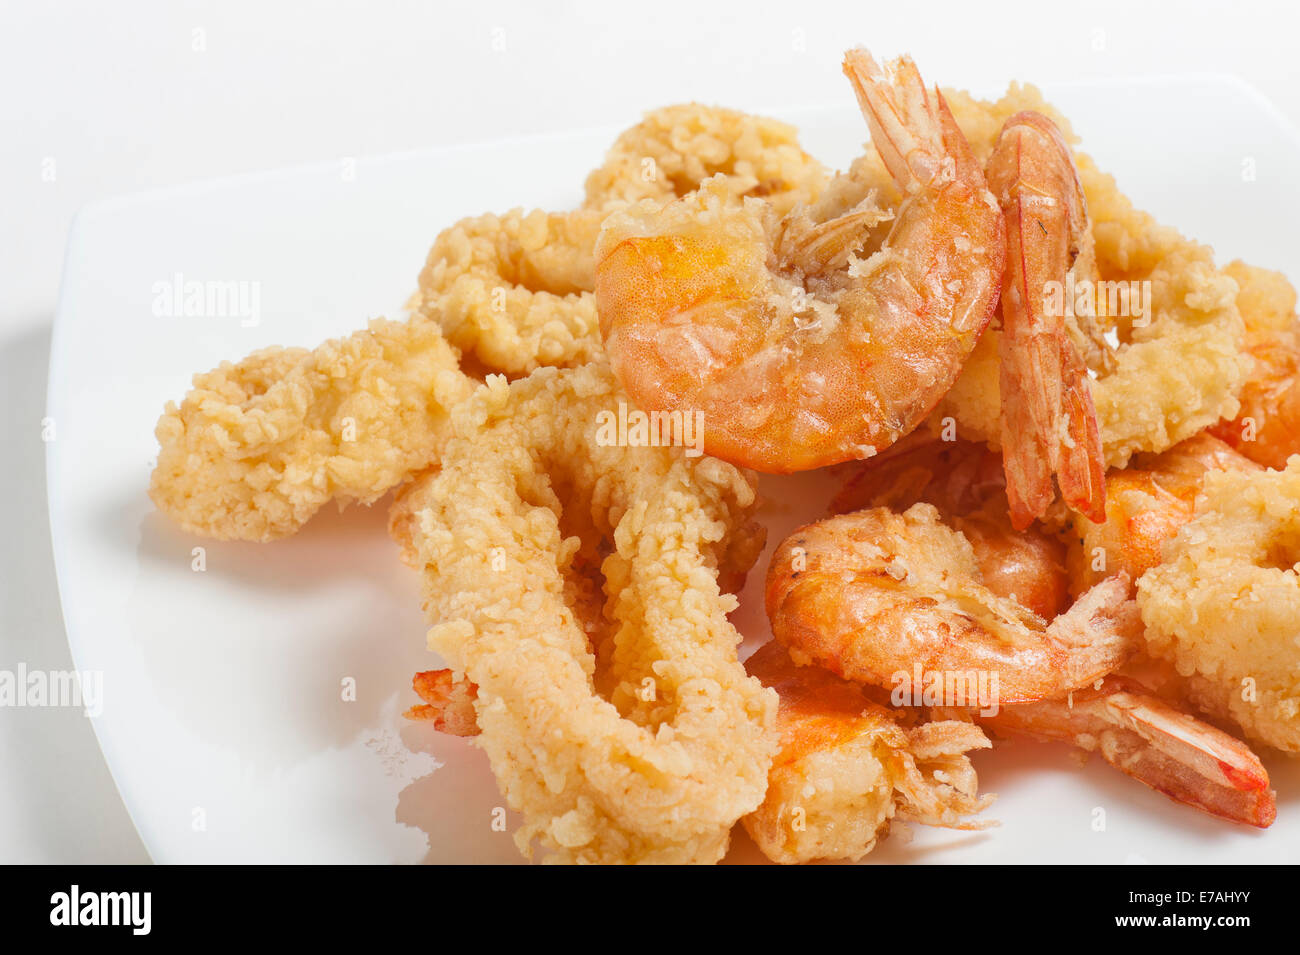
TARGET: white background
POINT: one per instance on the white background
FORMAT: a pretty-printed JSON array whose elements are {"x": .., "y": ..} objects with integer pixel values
[{"x": 121, "y": 97}]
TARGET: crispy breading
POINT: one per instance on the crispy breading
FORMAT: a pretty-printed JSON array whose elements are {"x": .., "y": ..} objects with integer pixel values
[
  {"x": 257, "y": 447},
  {"x": 1224, "y": 606},
  {"x": 847, "y": 767},
  {"x": 636, "y": 737},
  {"x": 1267, "y": 428},
  {"x": 673, "y": 149},
  {"x": 514, "y": 291}
]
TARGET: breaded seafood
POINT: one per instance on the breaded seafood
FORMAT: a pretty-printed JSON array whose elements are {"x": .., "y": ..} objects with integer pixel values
[
  {"x": 1158, "y": 744},
  {"x": 871, "y": 594},
  {"x": 1224, "y": 605},
  {"x": 634, "y": 735},
  {"x": 1267, "y": 428},
  {"x": 1174, "y": 371},
  {"x": 1044, "y": 393},
  {"x": 257, "y": 447},
  {"x": 847, "y": 767},
  {"x": 1049, "y": 422},
  {"x": 514, "y": 291},
  {"x": 1146, "y": 504},
  {"x": 674, "y": 149},
  {"x": 797, "y": 353}
]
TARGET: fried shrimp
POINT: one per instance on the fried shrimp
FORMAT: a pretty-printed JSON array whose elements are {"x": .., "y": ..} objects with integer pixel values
[
  {"x": 257, "y": 447},
  {"x": 1178, "y": 364},
  {"x": 873, "y": 594},
  {"x": 965, "y": 481},
  {"x": 846, "y": 768},
  {"x": 1156, "y": 744},
  {"x": 1049, "y": 423},
  {"x": 796, "y": 353},
  {"x": 1138, "y": 733},
  {"x": 674, "y": 149},
  {"x": 1267, "y": 428},
  {"x": 633, "y": 738},
  {"x": 1224, "y": 605},
  {"x": 1146, "y": 504}
]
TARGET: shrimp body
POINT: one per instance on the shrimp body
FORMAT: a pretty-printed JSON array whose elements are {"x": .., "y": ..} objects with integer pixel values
[
  {"x": 1157, "y": 744},
  {"x": 1136, "y": 731},
  {"x": 873, "y": 594},
  {"x": 1049, "y": 422},
  {"x": 796, "y": 353},
  {"x": 847, "y": 767},
  {"x": 965, "y": 481},
  {"x": 448, "y": 702}
]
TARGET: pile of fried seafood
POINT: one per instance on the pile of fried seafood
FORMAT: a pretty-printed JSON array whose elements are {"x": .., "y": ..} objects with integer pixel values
[{"x": 1087, "y": 497}]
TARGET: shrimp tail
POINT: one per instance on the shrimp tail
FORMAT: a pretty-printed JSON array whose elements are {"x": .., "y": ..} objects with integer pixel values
[
  {"x": 1049, "y": 421},
  {"x": 1082, "y": 469},
  {"x": 911, "y": 127},
  {"x": 1155, "y": 743},
  {"x": 1099, "y": 631},
  {"x": 448, "y": 702},
  {"x": 1032, "y": 359}
]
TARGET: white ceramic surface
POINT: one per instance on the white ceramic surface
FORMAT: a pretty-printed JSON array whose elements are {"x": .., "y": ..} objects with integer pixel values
[{"x": 223, "y": 687}]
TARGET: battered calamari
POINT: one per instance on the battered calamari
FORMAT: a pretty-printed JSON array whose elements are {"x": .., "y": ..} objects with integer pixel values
[
  {"x": 1267, "y": 428},
  {"x": 629, "y": 736},
  {"x": 257, "y": 447},
  {"x": 514, "y": 292},
  {"x": 670, "y": 152},
  {"x": 1224, "y": 606}
]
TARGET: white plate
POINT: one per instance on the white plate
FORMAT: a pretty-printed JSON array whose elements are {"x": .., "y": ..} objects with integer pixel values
[{"x": 223, "y": 721}]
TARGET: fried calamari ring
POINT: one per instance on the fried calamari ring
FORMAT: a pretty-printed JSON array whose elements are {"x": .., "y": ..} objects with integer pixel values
[
  {"x": 1147, "y": 503},
  {"x": 1224, "y": 606},
  {"x": 257, "y": 447},
  {"x": 638, "y": 737},
  {"x": 1166, "y": 380},
  {"x": 514, "y": 291},
  {"x": 674, "y": 149},
  {"x": 1267, "y": 428}
]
